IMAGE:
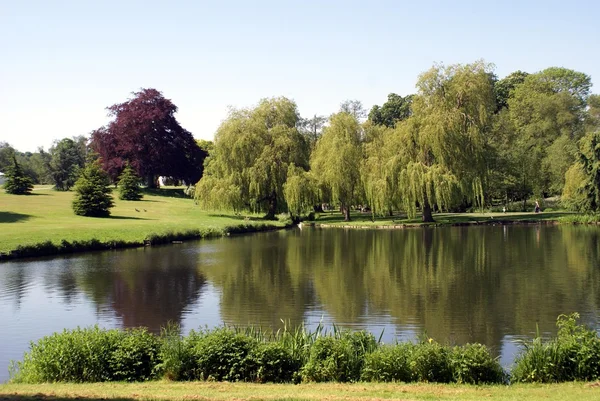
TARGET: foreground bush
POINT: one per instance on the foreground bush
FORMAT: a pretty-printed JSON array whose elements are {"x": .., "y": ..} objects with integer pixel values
[{"x": 573, "y": 355}]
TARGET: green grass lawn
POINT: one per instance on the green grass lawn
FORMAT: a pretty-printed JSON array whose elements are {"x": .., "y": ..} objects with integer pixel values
[
  {"x": 47, "y": 215},
  {"x": 164, "y": 390}
]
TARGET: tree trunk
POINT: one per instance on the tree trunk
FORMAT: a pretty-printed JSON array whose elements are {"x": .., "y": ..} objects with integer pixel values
[
  {"x": 272, "y": 207},
  {"x": 427, "y": 216},
  {"x": 150, "y": 181},
  {"x": 346, "y": 212}
]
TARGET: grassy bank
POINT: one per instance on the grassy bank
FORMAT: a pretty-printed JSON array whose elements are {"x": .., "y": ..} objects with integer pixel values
[
  {"x": 441, "y": 219},
  {"x": 164, "y": 390},
  {"x": 46, "y": 217}
]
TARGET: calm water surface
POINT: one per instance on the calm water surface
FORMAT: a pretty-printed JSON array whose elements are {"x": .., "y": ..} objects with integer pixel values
[{"x": 456, "y": 284}]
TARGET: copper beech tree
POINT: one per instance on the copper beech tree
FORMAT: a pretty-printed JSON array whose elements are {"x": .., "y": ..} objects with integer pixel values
[{"x": 145, "y": 133}]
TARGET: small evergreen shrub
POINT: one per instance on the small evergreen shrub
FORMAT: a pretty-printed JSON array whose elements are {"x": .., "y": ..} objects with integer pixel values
[
  {"x": 17, "y": 182},
  {"x": 389, "y": 363},
  {"x": 129, "y": 185},
  {"x": 473, "y": 364},
  {"x": 92, "y": 192}
]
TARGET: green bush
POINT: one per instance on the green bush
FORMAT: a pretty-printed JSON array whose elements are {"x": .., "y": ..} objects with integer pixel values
[
  {"x": 272, "y": 362},
  {"x": 135, "y": 356},
  {"x": 573, "y": 355},
  {"x": 339, "y": 357},
  {"x": 129, "y": 185},
  {"x": 388, "y": 363},
  {"x": 473, "y": 364},
  {"x": 176, "y": 354},
  {"x": 222, "y": 355},
  {"x": 430, "y": 362}
]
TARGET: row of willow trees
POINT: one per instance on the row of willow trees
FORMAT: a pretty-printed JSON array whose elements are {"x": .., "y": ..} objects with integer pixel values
[{"x": 465, "y": 139}]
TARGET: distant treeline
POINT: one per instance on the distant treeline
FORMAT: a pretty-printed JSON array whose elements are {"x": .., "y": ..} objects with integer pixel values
[{"x": 465, "y": 139}]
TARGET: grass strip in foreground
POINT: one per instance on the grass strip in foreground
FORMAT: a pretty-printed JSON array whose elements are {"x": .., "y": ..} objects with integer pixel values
[{"x": 165, "y": 390}]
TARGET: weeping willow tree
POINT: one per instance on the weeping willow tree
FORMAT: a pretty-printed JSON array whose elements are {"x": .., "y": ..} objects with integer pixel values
[
  {"x": 336, "y": 161},
  {"x": 300, "y": 191},
  {"x": 248, "y": 166},
  {"x": 382, "y": 163},
  {"x": 446, "y": 138}
]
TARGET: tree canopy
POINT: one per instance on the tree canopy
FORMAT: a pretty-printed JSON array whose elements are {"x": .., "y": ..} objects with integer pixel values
[
  {"x": 253, "y": 150},
  {"x": 145, "y": 133}
]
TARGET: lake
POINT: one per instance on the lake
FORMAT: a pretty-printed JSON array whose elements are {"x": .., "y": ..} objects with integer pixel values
[{"x": 488, "y": 284}]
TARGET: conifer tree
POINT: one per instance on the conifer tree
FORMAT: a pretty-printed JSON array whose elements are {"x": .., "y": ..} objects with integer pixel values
[
  {"x": 92, "y": 192},
  {"x": 129, "y": 185},
  {"x": 17, "y": 182}
]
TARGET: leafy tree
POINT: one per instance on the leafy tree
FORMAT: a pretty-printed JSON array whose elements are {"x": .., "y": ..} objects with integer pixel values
[
  {"x": 300, "y": 191},
  {"x": 146, "y": 133},
  {"x": 129, "y": 185},
  {"x": 397, "y": 108},
  {"x": 353, "y": 107},
  {"x": 582, "y": 186},
  {"x": 17, "y": 182},
  {"x": 7, "y": 153},
  {"x": 92, "y": 192},
  {"x": 548, "y": 112},
  {"x": 253, "y": 150},
  {"x": 336, "y": 160},
  {"x": 446, "y": 137},
  {"x": 67, "y": 158},
  {"x": 506, "y": 86},
  {"x": 312, "y": 128}
]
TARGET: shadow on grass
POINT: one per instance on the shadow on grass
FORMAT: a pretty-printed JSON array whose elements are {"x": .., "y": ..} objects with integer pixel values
[
  {"x": 10, "y": 217},
  {"x": 166, "y": 192},
  {"x": 127, "y": 218},
  {"x": 239, "y": 217},
  {"x": 40, "y": 396}
]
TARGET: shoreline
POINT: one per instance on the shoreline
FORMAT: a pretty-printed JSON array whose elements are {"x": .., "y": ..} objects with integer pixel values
[{"x": 63, "y": 247}]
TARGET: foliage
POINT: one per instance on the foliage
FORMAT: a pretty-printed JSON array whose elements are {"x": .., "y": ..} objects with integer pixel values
[
  {"x": 300, "y": 191},
  {"x": 430, "y": 362},
  {"x": 573, "y": 355},
  {"x": 339, "y": 171},
  {"x": 89, "y": 355},
  {"x": 17, "y": 182},
  {"x": 145, "y": 132},
  {"x": 389, "y": 363},
  {"x": 338, "y": 358},
  {"x": 129, "y": 185},
  {"x": 396, "y": 108},
  {"x": 92, "y": 192},
  {"x": 473, "y": 364},
  {"x": 252, "y": 153},
  {"x": 67, "y": 158},
  {"x": 273, "y": 362}
]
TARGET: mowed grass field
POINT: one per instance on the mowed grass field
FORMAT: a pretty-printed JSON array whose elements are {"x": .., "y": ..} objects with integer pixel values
[
  {"x": 47, "y": 215},
  {"x": 164, "y": 390}
]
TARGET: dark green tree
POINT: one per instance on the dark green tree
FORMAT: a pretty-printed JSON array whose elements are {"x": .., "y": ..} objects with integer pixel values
[
  {"x": 17, "y": 182},
  {"x": 397, "y": 108},
  {"x": 129, "y": 185},
  {"x": 67, "y": 157},
  {"x": 92, "y": 192}
]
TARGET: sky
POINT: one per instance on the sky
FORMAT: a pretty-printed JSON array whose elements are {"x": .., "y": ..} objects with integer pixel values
[{"x": 63, "y": 62}]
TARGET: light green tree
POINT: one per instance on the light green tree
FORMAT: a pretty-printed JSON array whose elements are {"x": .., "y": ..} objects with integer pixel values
[
  {"x": 445, "y": 138},
  {"x": 336, "y": 161},
  {"x": 248, "y": 165},
  {"x": 300, "y": 191}
]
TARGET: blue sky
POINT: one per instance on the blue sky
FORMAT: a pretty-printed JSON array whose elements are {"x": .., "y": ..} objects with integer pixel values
[{"x": 63, "y": 62}]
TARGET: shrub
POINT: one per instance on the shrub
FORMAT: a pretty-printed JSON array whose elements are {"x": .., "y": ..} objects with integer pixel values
[
  {"x": 573, "y": 355},
  {"x": 176, "y": 354},
  {"x": 272, "y": 362},
  {"x": 92, "y": 192},
  {"x": 135, "y": 356},
  {"x": 473, "y": 364},
  {"x": 430, "y": 362},
  {"x": 17, "y": 182},
  {"x": 221, "y": 355},
  {"x": 339, "y": 357},
  {"x": 388, "y": 363},
  {"x": 129, "y": 185}
]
